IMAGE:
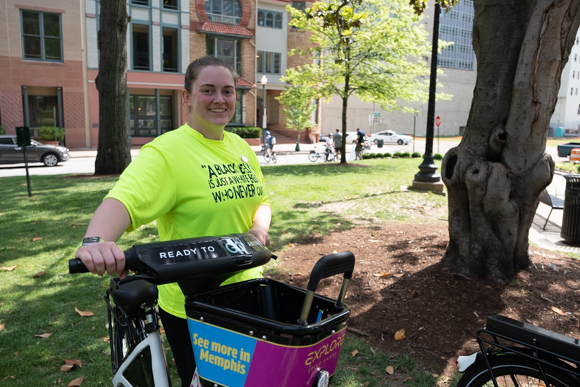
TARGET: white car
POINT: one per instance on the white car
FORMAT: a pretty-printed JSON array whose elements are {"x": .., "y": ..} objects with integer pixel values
[{"x": 390, "y": 137}]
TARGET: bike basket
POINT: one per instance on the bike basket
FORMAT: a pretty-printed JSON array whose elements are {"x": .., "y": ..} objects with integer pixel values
[{"x": 247, "y": 334}]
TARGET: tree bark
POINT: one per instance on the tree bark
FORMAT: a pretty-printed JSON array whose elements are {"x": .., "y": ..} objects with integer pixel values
[
  {"x": 113, "y": 151},
  {"x": 494, "y": 176}
]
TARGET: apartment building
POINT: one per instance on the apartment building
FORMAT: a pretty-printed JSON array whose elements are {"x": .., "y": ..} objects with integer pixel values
[{"x": 43, "y": 66}]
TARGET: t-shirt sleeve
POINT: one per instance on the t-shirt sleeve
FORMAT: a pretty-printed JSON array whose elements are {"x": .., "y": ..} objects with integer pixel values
[{"x": 146, "y": 187}]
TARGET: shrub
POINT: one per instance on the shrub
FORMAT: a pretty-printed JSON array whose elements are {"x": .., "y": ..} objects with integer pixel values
[
  {"x": 397, "y": 155},
  {"x": 438, "y": 156},
  {"x": 380, "y": 156},
  {"x": 416, "y": 155},
  {"x": 579, "y": 169},
  {"x": 388, "y": 154},
  {"x": 245, "y": 131},
  {"x": 406, "y": 154},
  {"x": 372, "y": 155},
  {"x": 47, "y": 133},
  {"x": 366, "y": 156},
  {"x": 2, "y": 130}
]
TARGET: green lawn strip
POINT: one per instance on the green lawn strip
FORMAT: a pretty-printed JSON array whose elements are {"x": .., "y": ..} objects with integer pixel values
[
  {"x": 41, "y": 233},
  {"x": 568, "y": 167}
]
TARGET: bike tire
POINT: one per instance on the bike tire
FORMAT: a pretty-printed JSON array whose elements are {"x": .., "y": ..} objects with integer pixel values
[
  {"x": 312, "y": 157},
  {"x": 509, "y": 368},
  {"x": 266, "y": 157},
  {"x": 274, "y": 158}
]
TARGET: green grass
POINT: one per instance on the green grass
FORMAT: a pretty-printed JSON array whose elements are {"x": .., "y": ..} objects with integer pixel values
[
  {"x": 306, "y": 199},
  {"x": 568, "y": 167}
]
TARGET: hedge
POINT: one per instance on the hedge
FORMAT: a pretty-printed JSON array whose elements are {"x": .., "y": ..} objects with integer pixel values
[{"x": 245, "y": 131}]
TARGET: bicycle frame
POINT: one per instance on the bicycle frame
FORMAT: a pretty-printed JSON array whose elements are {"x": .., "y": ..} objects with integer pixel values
[{"x": 503, "y": 336}]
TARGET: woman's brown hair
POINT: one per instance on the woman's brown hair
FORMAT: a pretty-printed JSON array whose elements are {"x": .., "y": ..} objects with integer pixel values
[{"x": 197, "y": 65}]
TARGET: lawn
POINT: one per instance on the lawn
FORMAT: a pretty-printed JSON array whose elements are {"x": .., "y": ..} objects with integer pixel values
[{"x": 40, "y": 234}]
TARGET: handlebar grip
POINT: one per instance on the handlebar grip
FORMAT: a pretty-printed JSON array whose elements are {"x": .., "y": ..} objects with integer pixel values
[
  {"x": 330, "y": 265},
  {"x": 76, "y": 266}
]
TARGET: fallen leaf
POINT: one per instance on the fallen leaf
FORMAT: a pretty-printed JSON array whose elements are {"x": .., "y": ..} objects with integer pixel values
[
  {"x": 399, "y": 275},
  {"x": 400, "y": 335},
  {"x": 367, "y": 383},
  {"x": 77, "y": 382},
  {"x": 354, "y": 353},
  {"x": 44, "y": 335},
  {"x": 414, "y": 293},
  {"x": 559, "y": 311},
  {"x": 66, "y": 367},
  {"x": 73, "y": 362},
  {"x": 106, "y": 339},
  {"x": 382, "y": 274},
  {"x": 36, "y": 239},
  {"x": 16, "y": 353},
  {"x": 9, "y": 268},
  {"x": 408, "y": 378},
  {"x": 161, "y": 330},
  {"x": 334, "y": 252},
  {"x": 39, "y": 274},
  {"x": 84, "y": 313},
  {"x": 290, "y": 245},
  {"x": 2, "y": 327},
  {"x": 390, "y": 370}
]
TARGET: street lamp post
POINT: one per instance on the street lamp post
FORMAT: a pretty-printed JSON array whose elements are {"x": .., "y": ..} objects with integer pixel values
[
  {"x": 414, "y": 126},
  {"x": 427, "y": 178},
  {"x": 264, "y": 82}
]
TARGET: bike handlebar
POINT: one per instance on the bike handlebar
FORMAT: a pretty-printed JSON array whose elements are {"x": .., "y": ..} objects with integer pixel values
[{"x": 194, "y": 258}]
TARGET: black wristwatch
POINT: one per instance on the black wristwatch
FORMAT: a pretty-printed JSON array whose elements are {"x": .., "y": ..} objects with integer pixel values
[{"x": 91, "y": 240}]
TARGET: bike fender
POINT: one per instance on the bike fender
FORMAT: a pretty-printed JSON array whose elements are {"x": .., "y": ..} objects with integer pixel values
[{"x": 464, "y": 362}]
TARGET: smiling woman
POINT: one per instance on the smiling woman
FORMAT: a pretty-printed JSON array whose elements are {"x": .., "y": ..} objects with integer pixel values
[{"x": 186, "y": 180}]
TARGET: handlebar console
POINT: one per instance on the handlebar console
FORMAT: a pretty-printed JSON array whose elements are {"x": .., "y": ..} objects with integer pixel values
[{"x": 186, "y": 259}]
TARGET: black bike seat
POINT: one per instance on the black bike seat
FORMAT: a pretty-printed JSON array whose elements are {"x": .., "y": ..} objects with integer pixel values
[{"x": 133, "y": 293}]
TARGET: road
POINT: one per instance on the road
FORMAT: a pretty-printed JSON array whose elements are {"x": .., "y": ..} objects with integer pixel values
[{"x": 83, "y": 161}]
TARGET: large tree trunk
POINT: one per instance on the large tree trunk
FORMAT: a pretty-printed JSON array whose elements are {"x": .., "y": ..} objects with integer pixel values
[
  {"x": 500, "y": 167},
  {"x": 114, "y": 149}
]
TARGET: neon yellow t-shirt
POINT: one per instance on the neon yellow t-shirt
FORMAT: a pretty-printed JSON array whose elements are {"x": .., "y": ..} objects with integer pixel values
[{"x": 193, "y": 187}]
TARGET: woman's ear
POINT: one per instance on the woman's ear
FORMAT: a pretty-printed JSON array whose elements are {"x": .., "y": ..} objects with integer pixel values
[{"x": 186, "y": 97}]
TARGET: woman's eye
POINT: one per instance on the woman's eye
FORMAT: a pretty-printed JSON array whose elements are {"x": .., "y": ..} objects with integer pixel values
[{"x": 206, "y": 91}]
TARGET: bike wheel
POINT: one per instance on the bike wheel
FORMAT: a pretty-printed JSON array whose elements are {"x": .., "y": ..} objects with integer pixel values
[
  {"x": 312, "y": 157},
  {"x": 267, "y": 157},
  {"x": 274, "y": 158},
  {"x": 514, "y": 371}
]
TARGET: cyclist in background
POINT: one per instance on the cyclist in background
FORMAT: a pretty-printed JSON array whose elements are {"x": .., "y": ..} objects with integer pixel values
[{"x": 269, "y": 141}]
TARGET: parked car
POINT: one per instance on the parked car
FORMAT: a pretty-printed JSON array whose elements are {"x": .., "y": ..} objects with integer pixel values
[
  {"x": 350, "y": 137},
  {"x": 390, "y": 137},
  {"x": 36, "y": 152},
  {"x": 564, "y": 150}
]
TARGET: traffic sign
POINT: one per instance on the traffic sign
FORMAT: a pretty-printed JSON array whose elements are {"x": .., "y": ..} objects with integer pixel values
[{"x": 437, "y": 121}]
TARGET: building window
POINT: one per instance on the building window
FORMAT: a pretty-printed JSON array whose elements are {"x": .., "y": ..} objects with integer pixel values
[
  {"x": 223, "y": 11},
  {"x": 42, "y": 110},
  {"x": 143, "y": 120},
  {"x": 140, "y": 2},
  {"x": 170, "y": 4},
  {"x": 575, "y": 57},
  {"x": 270, "y": 18},
  {"x": 226, "y": 49},
  {"x": 573, "y": 74},
  {"x": 41, "y": 36},
  {"x": 140, "y": 47},
  {"x": 169, "y": 48},
  {"x": 237, "y": 119},
  {"x": 299, "y": 5},
  {"x": 578, "y": 109},
  {"x": 268, "y": 62},
  {"x": 572, "y": 91},
  {"x": 456, "y": 26}
]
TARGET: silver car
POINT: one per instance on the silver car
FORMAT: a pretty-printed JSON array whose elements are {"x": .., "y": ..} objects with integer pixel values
[
  {"x": 390, "y": 137},
  {"x": 36, "y": 152}
]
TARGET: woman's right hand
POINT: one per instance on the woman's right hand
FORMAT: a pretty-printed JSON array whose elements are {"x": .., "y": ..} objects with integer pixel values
[{"x": 103, "y": 257}]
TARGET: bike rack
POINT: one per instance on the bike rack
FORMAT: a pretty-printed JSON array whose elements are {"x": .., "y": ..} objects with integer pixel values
[{"x": 535, "y": 343}]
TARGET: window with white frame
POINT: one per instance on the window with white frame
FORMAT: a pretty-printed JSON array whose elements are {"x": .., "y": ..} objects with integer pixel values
[
  {"x": 169, "y": 48},
  {"x": 140, "y": 47},
  {"x": 226, "y": 49},
  {"x": 41, "y": 36}
]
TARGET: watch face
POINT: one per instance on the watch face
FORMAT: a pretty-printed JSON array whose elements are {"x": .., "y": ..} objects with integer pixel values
[{"x": 89, "y": 240}]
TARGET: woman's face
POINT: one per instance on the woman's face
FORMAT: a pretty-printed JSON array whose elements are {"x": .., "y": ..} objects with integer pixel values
[{"x": 212, "y": 98}]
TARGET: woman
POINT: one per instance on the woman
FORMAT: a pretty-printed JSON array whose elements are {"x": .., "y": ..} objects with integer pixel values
[{"x": 181, "y": 180}]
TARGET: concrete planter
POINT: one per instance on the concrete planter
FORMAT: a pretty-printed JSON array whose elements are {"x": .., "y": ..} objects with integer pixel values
[{"x": 253, "y": 141}]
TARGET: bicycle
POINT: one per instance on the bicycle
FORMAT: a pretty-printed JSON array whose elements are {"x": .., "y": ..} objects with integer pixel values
[
  {"x": 520, "y": 354},
  {"x": 270, "y": 155},
  {"x": 250, "y": 326},
  {"x": 328, "y": 155}
]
